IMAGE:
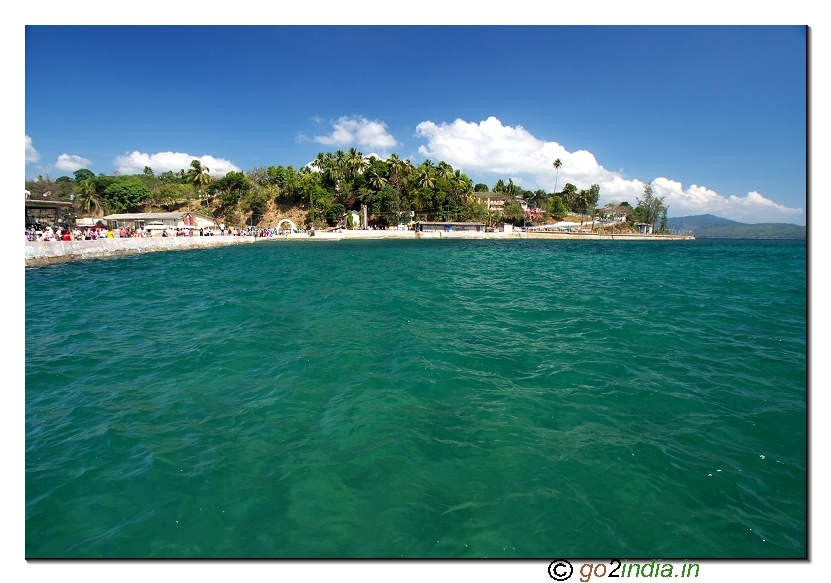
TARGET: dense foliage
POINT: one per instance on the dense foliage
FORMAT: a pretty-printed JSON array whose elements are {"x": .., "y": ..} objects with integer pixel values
[{"x": 393, "y": 190}]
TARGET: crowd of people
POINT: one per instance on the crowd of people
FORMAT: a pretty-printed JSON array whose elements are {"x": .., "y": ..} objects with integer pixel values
[
  {"x": 67, "y": 234},
  {"x": 100, "y": 232}
]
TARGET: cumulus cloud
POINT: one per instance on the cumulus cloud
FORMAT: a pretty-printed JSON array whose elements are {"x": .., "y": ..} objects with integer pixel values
[
  {"x": 751, "y": 208},
  {"x": 358, "y": 131},
  {"x": 31, "y": 154},
  {"x": 71, "y": 162},
  {"x": 489, "y": 146},
  {"x": 134, "y": 163}
]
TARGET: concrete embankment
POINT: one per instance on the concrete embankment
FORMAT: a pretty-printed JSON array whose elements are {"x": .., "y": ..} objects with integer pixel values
[
  {"x": 359, "y": 234},
  {"x": 48, "y": 252}
]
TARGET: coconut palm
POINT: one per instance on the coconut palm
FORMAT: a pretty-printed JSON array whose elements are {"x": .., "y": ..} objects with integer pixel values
[
  {"x": 376, "y": 178},
  {"x": 320, "y": 161},
  {"x": 444, "y": 170},
  {"x": 569, "y": 196},
  {"x": 396, "y": 166},
  {"x": 341, "y": 164},
  {"x": 355, "y": 162},
  {"x": 87, "y": 200},
  {"x": 426, "y": 174},
  {"x": 557, "y": 165},
  {"x": 198, "y": 175}
]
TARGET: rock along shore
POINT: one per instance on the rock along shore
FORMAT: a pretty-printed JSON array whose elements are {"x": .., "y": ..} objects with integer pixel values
[{"x": 49, "y": 252}]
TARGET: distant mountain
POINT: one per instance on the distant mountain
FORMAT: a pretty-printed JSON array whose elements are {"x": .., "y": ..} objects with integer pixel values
[{"x": 711, "y": 226}]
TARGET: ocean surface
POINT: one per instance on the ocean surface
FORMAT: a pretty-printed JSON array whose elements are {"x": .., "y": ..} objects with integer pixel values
[{"x": 428, "y": 398}]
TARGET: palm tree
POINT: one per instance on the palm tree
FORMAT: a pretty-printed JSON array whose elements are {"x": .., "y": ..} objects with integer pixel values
[
  {"x": 376, "y": 178},
  {"x": 355, "y": 162},
  {"x": 319, "y": 162},
  {"x": 341, "y": 164},
  {"x": 87, "y": 200},
  {"x": 426, "y": 177},
  {"x": 445, "y": 170},
  {"x": 198, "y": 175},
  {"x": 396, "y": 166},
  {"x": 557, "y": 165},
  {"x": 569, "y": 196}
]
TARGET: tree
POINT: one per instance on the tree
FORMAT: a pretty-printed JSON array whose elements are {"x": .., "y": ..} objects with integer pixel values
[
  {"x": 83, "y": 174},
  {"x": 569, "y": 196},
  {"x": 426, "y": 174},
  {"x": 557, "y": 166},
  {"x": 231, "y": 186},
  {"x": 198, "y": 176},
  {"x": 148, "y": 171},
  {"x": 170, "y": 193},
  {"x": 257, "y": 175},
  {"x": 125, "y": 194},
  {"x": 257, "y": 203},
  {"x": 650, "y": 208},
  {"x": 587, "y": 198},
  {"x": 556, "y": 207},
  {"x": 513, "y": 213},
  {"x": 87, "y": 197},
  {"x": 169, "y": 176},
  {"x": 376, "y": 175},
  {"x": 480, "y": 187}
]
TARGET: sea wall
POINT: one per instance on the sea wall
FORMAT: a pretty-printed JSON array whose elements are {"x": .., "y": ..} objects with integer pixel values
[
  {"x": 370, "y": 234},
  {"x": 49, "y": 252}
]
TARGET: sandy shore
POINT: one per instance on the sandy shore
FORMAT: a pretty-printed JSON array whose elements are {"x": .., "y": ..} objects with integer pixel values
[{"x": 49, "y": 252}]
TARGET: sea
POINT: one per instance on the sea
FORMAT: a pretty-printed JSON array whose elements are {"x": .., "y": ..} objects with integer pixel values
[{"x": 420, "y": 399}]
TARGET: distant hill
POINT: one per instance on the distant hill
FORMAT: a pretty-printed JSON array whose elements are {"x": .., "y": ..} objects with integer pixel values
[{"x": 711, "y": 226}]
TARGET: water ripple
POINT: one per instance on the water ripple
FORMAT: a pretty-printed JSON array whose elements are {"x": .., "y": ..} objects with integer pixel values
[{"x": 420, "y": 398}]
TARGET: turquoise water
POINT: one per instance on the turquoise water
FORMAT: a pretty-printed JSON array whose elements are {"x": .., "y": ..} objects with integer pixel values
[{"x": 420, "y": 399}]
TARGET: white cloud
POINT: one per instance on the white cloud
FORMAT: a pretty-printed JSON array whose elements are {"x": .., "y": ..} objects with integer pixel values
[
  {"x": 31, "y": 154},
  {"x": 71, "y": 162},
  {"x": 751, "y": 208},
  {"x": 134, "y": 163},
  {"x": 514, "y": 152},
  {"x": 358, "y": 131}
]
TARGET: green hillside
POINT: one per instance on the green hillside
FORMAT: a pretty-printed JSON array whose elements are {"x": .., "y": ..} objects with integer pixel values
[{"x": 711, "y": 226}]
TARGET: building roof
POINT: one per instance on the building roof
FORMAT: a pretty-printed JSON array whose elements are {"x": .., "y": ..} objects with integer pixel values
[
  {"x": 491, "y": 194},
  {"x": 46, "y": 204}
]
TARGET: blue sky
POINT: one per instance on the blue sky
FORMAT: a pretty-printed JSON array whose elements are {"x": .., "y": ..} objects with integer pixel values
[{"x": 713, "y": 116}]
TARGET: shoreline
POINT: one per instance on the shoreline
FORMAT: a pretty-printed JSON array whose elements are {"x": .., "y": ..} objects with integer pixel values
[{"x": 40, "y": 253}]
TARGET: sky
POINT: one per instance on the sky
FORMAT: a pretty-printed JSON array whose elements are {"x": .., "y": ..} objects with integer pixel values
[{"x": 714, "y": 117}]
